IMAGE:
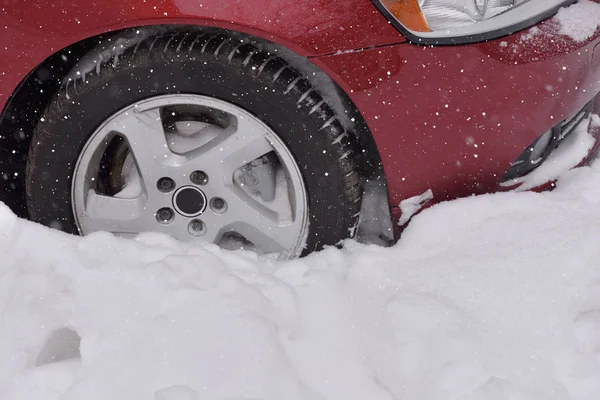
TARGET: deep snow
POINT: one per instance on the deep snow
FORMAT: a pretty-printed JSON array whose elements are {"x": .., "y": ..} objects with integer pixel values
[{"x": 494, "y": 297}]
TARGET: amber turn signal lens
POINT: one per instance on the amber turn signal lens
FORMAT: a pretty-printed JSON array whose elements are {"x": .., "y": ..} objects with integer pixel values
[{"x": 408, "y": 13}]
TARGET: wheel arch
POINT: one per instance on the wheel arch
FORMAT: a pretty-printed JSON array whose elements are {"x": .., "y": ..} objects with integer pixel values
[{"x": 26, "y": 104}]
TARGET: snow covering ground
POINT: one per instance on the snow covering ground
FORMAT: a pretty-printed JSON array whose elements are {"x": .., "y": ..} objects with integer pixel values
[{"x": 495, "y": 297}]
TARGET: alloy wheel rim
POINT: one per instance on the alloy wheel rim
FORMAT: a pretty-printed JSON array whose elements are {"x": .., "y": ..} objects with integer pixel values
[{"x": 191, "y": 166}]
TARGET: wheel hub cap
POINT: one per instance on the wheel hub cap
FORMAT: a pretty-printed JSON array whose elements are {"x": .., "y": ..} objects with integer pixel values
[{"x": 189, "y": 201}]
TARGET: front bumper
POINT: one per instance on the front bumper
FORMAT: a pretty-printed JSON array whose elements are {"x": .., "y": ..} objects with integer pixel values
[
  {"x": 568, "y": 144},
  {"x": 453, "y": 119},
  {"x": 577, "y": 149}
]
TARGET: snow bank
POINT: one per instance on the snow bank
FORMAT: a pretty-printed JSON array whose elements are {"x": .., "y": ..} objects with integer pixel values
[{"x": 494, "y": 297}]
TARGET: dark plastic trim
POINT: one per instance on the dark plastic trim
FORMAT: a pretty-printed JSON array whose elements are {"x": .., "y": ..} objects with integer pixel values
[
  {"x": 469, "y": 39},
  {"x": 559, "y": 133}
]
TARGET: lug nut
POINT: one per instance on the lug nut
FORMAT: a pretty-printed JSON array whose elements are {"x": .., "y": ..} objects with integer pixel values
[
  {"x": 165, "y": 185},
  {"x": 165, "y": 215},
  {"x": 218, "y": 205},
  {"x": 199, "y": 178},
  {"x": 196, "y": 228}
]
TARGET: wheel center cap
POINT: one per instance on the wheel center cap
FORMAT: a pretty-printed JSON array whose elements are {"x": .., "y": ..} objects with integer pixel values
[{"x": 189, "y": 201}]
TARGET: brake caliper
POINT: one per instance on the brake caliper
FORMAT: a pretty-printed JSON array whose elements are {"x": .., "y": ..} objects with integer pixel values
[{"x": 260, "y": 175}]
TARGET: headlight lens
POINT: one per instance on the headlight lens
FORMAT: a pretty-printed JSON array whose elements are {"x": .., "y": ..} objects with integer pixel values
[{"x": 465, "y": 21}]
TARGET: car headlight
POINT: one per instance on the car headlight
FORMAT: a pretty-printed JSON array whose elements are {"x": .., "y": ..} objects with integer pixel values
[{"x": 465, "y": 21}]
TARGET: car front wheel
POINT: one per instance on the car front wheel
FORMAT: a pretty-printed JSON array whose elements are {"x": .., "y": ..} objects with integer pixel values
[{"x": 196, "y": 136}]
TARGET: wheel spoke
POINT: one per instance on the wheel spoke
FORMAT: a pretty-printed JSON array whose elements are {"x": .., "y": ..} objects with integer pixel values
[
  {"x": 113, "y": 214},
  {"x": 147, "y": 141},
  {"x": 267, "y": 236},
  {"x": 259, "y": 224},
  {"x": 214, "y": 228},
  {"x": 241, "y": 143}
]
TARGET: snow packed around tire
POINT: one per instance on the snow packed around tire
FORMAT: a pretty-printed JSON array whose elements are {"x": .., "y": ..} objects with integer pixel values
[{"x": 461, "y": 308}]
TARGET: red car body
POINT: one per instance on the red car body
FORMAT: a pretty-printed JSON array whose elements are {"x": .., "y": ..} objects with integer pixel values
[{"x": 449, "y": 118}]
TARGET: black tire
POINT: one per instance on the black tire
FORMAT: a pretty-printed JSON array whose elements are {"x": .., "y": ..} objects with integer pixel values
[{"x": 215, "y": 65}]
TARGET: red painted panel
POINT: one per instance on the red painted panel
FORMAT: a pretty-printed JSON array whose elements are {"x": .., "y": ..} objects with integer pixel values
[
  {"x": 446, "y": 118},
  {"x": 453, "y": 118},
  {"x": 30, "y": 31}
]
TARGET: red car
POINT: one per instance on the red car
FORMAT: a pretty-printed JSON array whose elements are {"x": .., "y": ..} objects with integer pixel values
[{"x": 260, "y": 123}]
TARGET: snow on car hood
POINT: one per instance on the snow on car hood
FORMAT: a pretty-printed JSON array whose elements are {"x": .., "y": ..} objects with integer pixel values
[
  {"x": 580, "y": 21},
  {"x": 491, "y": 297}
]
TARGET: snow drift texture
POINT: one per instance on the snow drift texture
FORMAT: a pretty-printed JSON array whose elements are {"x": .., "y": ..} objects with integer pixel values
[{"x": 492, "y": 297}]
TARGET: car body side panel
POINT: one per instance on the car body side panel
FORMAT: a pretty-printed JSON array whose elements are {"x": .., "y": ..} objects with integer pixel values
[
  {"x": 452, "y": 119},
  {"x": 33, "y": 30},
  {"x": 447, "y": 118}
]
